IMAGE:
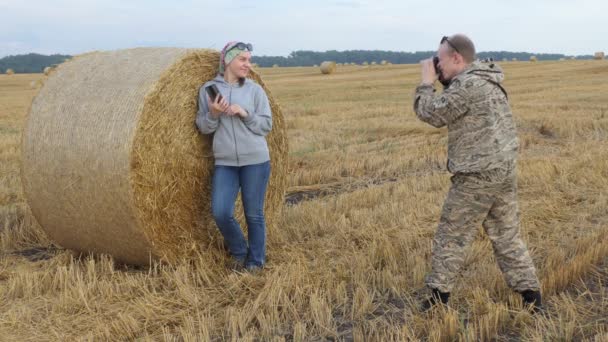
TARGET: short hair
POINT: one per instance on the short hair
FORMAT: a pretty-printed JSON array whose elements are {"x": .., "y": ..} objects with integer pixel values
[{"x": 464, "y": 45}]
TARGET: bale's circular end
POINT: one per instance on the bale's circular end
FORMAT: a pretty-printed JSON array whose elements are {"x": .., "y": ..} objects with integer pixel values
[
  {"x": 328, "y": 67},
  {"x": 599, "y": 55},
  {"x": 112, "y": 159}
]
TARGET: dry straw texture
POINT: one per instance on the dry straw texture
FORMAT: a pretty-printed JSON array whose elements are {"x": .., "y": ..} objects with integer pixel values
[
  {"x": 47, "y": 70},
  {"x": 348, "y": 262},
  {"x": 598, "y": 55},
  {"x": 10, "y": 71},
  {"x": 328, "y": 67},
  {"x": 112, "y": 161},
  {"x": 533, "y": 59}
]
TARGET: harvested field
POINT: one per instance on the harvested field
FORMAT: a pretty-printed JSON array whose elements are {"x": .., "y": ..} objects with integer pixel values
[{"x": 348, "y": 257}]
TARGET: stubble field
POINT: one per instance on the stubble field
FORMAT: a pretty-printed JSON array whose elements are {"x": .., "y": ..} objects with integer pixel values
[{"x": 347, "y": 259}]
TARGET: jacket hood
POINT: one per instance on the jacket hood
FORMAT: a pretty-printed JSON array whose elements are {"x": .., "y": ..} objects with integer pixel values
[{"x": 489, "y": 71}]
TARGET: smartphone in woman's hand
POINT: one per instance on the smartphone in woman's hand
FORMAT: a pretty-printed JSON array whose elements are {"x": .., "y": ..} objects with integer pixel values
[{"x": 213, "y": 92}]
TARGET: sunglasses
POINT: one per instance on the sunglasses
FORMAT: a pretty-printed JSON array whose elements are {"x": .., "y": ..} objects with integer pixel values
[
  {"x": 447, "y": 40},
  {"x": 242, "y": 46}
]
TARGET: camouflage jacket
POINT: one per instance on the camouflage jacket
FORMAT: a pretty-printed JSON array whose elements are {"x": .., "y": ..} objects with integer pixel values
[{"x": 475, "y": 108}]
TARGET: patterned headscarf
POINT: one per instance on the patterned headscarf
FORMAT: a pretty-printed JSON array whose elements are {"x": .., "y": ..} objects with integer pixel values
[{"x": 229, "y": 52}]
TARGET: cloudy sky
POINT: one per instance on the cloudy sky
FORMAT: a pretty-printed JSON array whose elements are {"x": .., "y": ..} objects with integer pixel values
[{"x": 278, "y": 27}]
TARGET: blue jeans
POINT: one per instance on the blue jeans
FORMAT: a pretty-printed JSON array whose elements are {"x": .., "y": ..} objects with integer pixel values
[{"x": 252, "y": 181}]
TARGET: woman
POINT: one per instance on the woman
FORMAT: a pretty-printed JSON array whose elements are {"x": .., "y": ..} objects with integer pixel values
[{"x": 240, "y": 119}]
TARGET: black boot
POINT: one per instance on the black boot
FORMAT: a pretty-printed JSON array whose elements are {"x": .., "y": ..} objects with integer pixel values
[
  {"x": 531, "y": 297},
  {"x": 436, "y": 297}
]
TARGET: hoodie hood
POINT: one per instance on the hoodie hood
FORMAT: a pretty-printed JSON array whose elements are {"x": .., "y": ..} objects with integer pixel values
[{"x": 488, "y": 71}]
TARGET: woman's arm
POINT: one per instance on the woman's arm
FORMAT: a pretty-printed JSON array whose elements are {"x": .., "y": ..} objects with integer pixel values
[
  {"x": 260, "y": 121},
  {"x": 205, "y": 122}
]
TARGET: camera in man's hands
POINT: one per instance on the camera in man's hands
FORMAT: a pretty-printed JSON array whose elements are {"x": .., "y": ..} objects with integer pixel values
[
  {"x": 436, "y": 65},
  {"x": 439, "y": 73}
]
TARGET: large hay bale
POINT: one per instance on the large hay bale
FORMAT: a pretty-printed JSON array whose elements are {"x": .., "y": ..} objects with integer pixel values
[
  {"x": 10, "y": 71},
  {"x": 598, "y": 55},
  {"x": 514, "y": 59},
  {"x": 113, "y": 162},
  {"x": 328, "y": 67},
  {"x": 533, "y": 59},
  {"x": 47, "y": 70}
]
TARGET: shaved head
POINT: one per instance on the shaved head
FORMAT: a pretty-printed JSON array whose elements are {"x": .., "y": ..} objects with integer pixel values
[{"x": 463, "y": 45}]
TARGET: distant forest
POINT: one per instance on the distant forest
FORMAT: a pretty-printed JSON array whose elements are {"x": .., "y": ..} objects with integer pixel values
[
  {"x": 310, "y": 58},
  {"x": 30, "y": 63},
  {"x": 35, "y": 63}
]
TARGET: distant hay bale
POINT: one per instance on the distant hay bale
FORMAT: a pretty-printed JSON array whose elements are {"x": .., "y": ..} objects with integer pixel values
[
  {"x": 374, "y": 63},
  {"x": 505, "y": 59},
  {"x": 364, "y": 63},
  {"x": 383, "y": 62},
  {"x": 35, "y": 84},
  {"x": 112, "y": 161},
  {"x": 10, "y": 72},
  {"x": 47, "y": 70},
  {"x": 573, "y": 57},
  {"x": 514, "y": 59},
  {"x": 315, "y": 65},
  {"x": 275, "y": 65},
  {"x": 598, "y": 55},
  {"x": 533, "y": 59},
  {"x": 328, "y": 67},
  {"x": 562, "y": 59}
]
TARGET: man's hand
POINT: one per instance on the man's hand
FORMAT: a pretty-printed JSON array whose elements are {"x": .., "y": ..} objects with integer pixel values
[
  {"x": 218, "y": 107},
  {"x": 428, "y": 71}
]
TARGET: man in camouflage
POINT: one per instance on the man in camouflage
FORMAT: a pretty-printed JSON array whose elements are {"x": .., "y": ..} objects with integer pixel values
[{"x": 482, "y": 151}]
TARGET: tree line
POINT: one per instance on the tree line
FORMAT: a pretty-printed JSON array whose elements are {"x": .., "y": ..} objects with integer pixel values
[
  {"x": 30, "y": 63},
  {"x": 310, "y": 58},
  {"x": 35, "y": 63}
]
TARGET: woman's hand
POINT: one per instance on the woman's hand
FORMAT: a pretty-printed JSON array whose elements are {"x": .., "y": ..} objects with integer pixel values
[
  {"x": 235, "y": 109},
  {"x": 218, "y": 107}
]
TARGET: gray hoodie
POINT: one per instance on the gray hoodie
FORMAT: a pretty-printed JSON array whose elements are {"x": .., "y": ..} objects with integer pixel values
[{"x": 237, "y": 142}]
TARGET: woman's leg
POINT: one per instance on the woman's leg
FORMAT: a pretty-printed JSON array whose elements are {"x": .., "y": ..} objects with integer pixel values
[
  {"x": 254, "y": 179},
  {"x": 224, "y": 189}
]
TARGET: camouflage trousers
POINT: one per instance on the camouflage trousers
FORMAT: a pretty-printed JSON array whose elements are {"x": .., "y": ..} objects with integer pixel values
[{"x": 487, "y": 198}]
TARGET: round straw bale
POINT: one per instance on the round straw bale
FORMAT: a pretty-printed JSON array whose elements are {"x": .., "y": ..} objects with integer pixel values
[
  {"x": 47, "y": 70},
  {"x": 514, "y": 59},
  {"x": 328, "y": 67},
  {"x": 10, "y": 71},
  {"x": 383, "y": 62},
  {"x": 112, "y": 161},
  {"x": 533, "y": 59},
  {"x": 275, "y": 65},
  {"x": 598, "y": 55}
]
